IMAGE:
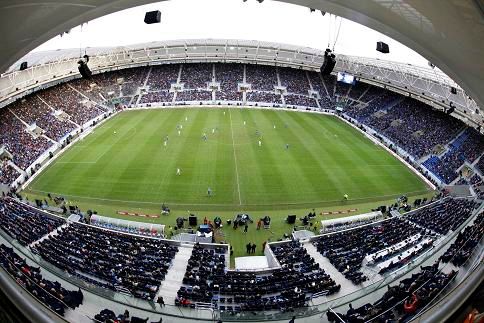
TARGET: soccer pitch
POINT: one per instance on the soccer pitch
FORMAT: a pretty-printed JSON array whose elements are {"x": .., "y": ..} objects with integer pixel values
[{"x": 304, "y": 160}]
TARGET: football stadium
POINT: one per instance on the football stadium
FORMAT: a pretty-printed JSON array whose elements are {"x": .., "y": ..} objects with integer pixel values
[{"x": 234, "y": 180}]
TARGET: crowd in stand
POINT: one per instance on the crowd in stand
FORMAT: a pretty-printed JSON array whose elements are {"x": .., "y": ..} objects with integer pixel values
[
  {"x": 414, "y": 134},
  {"x": 358, "y": 89},
  {"x": 8, "y": 174},
  {"x": 64, "y": 98},
  {"x": 295, "y": 81},
  {"x": 32, "y": 110},
  {"x": 283, "y": 289},
  {"x": 347, "y": 249},
  {"x": 110, "y": 259},
  {"x": 266, "y": 97},
  {"x": 403, "y": 301},
  {"x": 196, "y": 76},
  {"x": 138, "y": 265},
  {"x": 326, "y": 103},
  {"x": 24, "y": 223},
  {"x": 261, "y": 77},
  {"x": 112, "y": 84},
  {"x": 229, "y": 76},
  {"x": 444, "y": 216},
  {"x": 407, "y": 124},
  {"x": 288, "y": 287},
  {"x": 22, "y": 145},
  {"x": 363, "y": 113},
  {"x": 406, "y": 257},
  {"x": 293, "y": 255},
  {"x": 108, "y": 316},
  {"x": 161, "y": 77},
  {"x": 330, "y": 83},
  {"x": 50, "y": 293},
  {"x": 478, "y": 185},
  {"x": 372, "y": 93},
  {"x": 160, "y": 96},
  {"x": 133, "y": 78},
  {"x": 301, "y": 100},
  {"x": 203, "y": 266},
  {"x": 194, "y": 95},
  {"x": 467, "y": 147},
  {"x": 317, "y": 83},
  {"x": 480, "y": 165},
  {"x": 342, "y": 89},
  {"x": 465, "y": 243},
  {"x": 400, "y": 302}
]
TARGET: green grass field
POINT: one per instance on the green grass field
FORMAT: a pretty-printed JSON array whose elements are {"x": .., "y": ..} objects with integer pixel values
[{"x": 124, "y": 165}]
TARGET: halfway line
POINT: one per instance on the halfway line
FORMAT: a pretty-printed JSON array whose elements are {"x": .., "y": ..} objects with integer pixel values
[{"x": 235, "y": 158}]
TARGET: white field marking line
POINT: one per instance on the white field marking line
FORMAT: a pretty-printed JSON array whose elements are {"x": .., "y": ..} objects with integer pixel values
[
  {"x": 235, "y": 158},
  {"x": 210, "y": 204}
]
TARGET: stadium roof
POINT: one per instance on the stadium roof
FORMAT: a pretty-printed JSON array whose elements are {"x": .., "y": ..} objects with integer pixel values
[
  {"x": 428, "y": 85},
  {"x": 450, "y": 34}
]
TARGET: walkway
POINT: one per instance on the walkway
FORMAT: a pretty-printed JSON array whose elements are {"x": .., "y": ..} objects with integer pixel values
[
  {"x": 50, "y": 234},
  {"x": 173, "y": 279},
  {"x": 347, "y": 286}
]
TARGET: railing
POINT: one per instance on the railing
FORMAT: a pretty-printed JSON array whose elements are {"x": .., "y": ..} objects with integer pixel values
[
  {"x": 318, "y": 305},
  {"x": 475, "y": 260},
  {"x": 149, "y": 306}
]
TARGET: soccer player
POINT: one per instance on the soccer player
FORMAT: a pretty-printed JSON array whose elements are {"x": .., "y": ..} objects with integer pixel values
[
  {"x": 213, "y": 130},
  {"x": 204, "y": 137},
  {"x": 287, "y": 146},
  {"x": 178, "y": 171},
  {"x": 179, "y": 132},
  {"x": 260, "y": 143},
  {"x": 345, "y": 197},
  {"x": 209, "y": 192},
  {"x": 274, "y": 126}
]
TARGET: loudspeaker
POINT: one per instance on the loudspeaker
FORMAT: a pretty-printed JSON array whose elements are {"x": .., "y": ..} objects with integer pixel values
[
  {"x": 291, "y": 219},
  {"x": 84, "y": 70},
  {"x": 328, "y": 64},
  {"x": 192, "y": 221},
  {"x": 382, "y": 47},
  {"x": 23, "y": 66},
  {"x": 153, "y": 17},
  {"x": 453, "y": 90}
]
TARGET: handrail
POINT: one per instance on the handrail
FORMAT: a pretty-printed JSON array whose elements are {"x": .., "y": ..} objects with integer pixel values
[
  {"x": 27, "y": 307},
  {"x": 341, "y": 301}
]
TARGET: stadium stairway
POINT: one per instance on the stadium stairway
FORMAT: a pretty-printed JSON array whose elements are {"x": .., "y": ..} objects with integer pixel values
[
  {"x": 346, "y": 285},
  {"x": 174, "y": 277},
  {"x": 52, "y": 233},
  {"x": 21, "y": 171}
]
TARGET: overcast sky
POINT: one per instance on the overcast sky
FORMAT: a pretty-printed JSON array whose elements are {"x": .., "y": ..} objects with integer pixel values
[{"x": 267, "y": 21}]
